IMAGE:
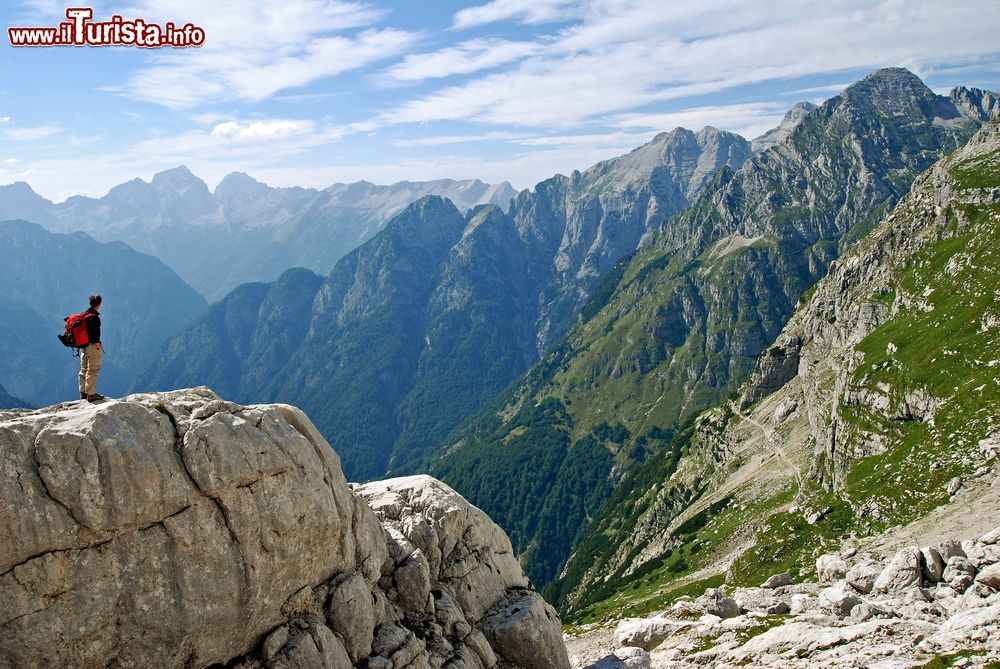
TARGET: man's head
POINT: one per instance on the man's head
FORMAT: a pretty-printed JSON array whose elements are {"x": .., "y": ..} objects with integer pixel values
[{"x": 95, "y": 301}]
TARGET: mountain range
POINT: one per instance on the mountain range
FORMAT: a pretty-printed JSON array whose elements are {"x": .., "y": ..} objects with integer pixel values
[
  {"x": 676, "y": 328},
  {"x": 604, "y": 365},
  {"x": 243, "y": 231},
  {"x": 874, "y": 409},
  {"x": 417, "y": 328}
]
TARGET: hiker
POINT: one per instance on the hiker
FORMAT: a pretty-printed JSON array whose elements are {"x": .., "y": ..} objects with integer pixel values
[{"x": 91, "y": 356}]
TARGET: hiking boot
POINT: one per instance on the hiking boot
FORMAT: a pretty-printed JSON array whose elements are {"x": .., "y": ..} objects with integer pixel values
[
  {"x": 95, "y": 398},
  {"x": 83, "y": 396}
]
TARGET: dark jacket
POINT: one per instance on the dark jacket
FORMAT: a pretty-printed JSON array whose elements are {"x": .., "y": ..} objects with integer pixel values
[{"x": 93, "y": 326}]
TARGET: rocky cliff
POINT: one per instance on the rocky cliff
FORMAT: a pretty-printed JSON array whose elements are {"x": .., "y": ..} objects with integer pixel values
[{"x": 181, "y": 530}]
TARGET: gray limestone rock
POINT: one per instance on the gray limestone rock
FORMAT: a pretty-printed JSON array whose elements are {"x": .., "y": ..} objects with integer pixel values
[
  {"x": 838, "y": 600},
  {"x": 526, "y": 631},
  {"x": 716, "y": 602},
  {"x": 958, "y": 565},
  {"x": 180, "y": 530},
  {"x": 830, "y": 568},
  {"x": 902, "y": 572},
  {"x": 863, "y": 575},
  {"x": 990, "y": 577},
  {"x": 169, "y": 531},
  {"x": 762, "y": 600},
  {"x": 351, "y": 612},
  {"x": 990, "y": 538},
  {"x": 933, "y": 565},
  {"x": 778, "y": 580}
]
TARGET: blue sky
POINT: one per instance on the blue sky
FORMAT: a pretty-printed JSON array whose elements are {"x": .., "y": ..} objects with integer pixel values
[{"x": 312, "y": 92}]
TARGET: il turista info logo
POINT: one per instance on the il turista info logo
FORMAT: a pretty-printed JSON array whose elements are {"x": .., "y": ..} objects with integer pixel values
[{"x": 80, "y": 29}]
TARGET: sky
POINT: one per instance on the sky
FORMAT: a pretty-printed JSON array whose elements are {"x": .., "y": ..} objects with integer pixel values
[{"x": 315, "y": 92}]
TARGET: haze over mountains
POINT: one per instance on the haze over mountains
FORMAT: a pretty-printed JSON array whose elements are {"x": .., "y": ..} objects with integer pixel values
[{"x": 244, "y": 230}]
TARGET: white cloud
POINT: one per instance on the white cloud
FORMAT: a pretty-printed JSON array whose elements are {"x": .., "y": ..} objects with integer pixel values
[
  {"x": 11, "y": 161},
  {"x": 525, "y": 11},
  {"x": 463, "y": 58},
  {"x": 29, "y": 134},
  {"x": 251, "y": 54},
  {"x": 749, "y": 120},
  {"x": 4, "y": 119},
  {"x": 440, "y": 140},
  {"x": 621, "y": 54},
  {"x": 615, "y": 139},
  {"x": 260, "y": 129}
]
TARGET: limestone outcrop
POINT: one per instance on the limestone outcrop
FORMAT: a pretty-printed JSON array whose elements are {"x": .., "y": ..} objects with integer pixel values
[{"x": 180, "y": 530}]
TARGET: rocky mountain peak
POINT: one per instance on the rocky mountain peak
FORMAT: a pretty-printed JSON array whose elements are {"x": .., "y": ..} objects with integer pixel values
[
  {"x": 976, "y": 103},
  {"x": 183, "y": 192},
  {"x": 18, "y": 200},
  {"x": 896, "y": 91},
  {"x": 237, "y": 185},
  {"x": 779, "y": 134}
]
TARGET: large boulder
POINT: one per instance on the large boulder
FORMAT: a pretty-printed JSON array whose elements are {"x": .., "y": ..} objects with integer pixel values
[
  {"x": 903, "y": 572},
  {"x": 179, "y": 530},
  {"x": 166, "y": 530},
  {"x": 471, "y": 564},
  {"x": 830, "y": 568}
]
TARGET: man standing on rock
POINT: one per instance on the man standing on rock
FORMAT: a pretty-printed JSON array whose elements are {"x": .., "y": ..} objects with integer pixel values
[{"x": 91, "y": 356}]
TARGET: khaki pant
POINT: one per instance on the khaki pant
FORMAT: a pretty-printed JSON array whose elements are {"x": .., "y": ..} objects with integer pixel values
[{"x": 90, "y": 367}]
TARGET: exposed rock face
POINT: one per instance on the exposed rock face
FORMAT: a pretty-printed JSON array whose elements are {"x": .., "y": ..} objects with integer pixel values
[
  {"x": 479, "y": 588},
  {"x": 180, "y": 530},
  {"x": 779, "y": 134},
  {"x": 774, "y": 369}
]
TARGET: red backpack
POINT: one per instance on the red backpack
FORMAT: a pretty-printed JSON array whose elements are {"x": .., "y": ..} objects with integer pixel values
[{"x": 76, "y": 335}]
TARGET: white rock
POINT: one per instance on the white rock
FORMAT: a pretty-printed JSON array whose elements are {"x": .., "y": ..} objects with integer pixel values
[
  {"x": 778, "y": 580},
  {"x": 902, "y": 572},
  {"x": 633, "y": 657},
  {"x": 991, "y": 537},
  {"x": 863, "y": 575},
  {"x": 990, "y": 577},
  {"x": 933, "y": 565},
  {"x": 647, "y": 633},
  {"x": 982, "y": 555},
  {"x": 838, "y": 600},
  {"x": 802, "y": 603},
  {"x": 717, "y": 603},
  {"x": 958, "y": 565},
  {"x": 830, "y": 568}
]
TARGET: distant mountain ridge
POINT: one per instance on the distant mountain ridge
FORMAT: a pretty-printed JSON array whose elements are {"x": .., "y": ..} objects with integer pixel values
[
  {"x": 779, "y": 134},
  {"x": 414, "y": 330},
  {"x": 8, "y": 401},
  {"x": 245, "y": 230}
]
